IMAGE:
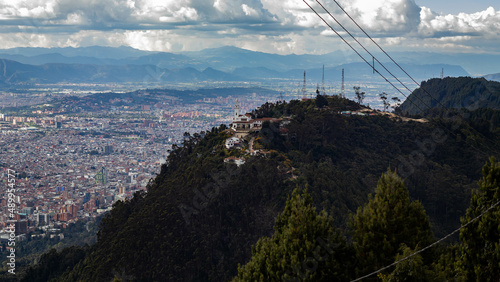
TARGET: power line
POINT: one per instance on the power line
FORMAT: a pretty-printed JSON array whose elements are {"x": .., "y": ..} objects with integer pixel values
[
  {"x": 356, "y": 51},
  {"x": 401, "y": 68},
  {"x": 375, "y": 70},
  {"x": 366, "y": 50},
  {"x": 375, "y": 42},
  {"x": 429, "y": 246}
]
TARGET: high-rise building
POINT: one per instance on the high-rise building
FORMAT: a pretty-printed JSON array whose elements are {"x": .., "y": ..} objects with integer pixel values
[
  {"x": 42, "y": 218},
  {"x": 102, "y": 176},
  {"x": 121, "y": 189},
  {"x": 73, "y": 210},
  {"x": 21, "y": 227}
]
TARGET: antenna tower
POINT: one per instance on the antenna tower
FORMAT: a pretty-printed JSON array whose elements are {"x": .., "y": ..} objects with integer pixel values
[
  {"x": 442, "y": 73},
  {"x": 343, "y": 87},
  {"x": 323, "y": 92},
  {"x": 304, "y": 86}
]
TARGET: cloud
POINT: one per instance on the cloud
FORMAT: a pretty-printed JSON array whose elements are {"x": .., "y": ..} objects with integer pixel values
[
  {"x": 486, "y": 22},
  {"x": 184, "y": 14},
  {"x": 386, "y": 16},
  {"x": 286, "y": 26}
]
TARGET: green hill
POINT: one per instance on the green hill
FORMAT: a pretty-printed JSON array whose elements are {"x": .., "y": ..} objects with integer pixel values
[
  {"x": 453, "y": 93},
  {"x": 200, "y": 216}
]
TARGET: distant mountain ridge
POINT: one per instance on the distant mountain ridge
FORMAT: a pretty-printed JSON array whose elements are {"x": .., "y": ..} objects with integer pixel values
[
  {"x": 97, "y": 64},
  {"x": 171, "y": 68},
  {"x": 17, "y": 73},
  {"x": 230, "y": 58},
  {"x": 91, "y": 51}
]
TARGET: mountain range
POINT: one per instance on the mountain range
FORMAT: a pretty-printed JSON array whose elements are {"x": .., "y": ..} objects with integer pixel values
[{"x": 124, "y": 64}]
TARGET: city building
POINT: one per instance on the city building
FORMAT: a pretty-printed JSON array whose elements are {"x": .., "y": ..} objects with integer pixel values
[{"x": 102, "y": 176}]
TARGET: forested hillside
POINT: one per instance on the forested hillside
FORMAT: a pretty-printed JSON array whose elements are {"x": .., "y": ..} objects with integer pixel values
[
  {"x": 453, "y": 93},
  {"x": 201, "y": 216}
]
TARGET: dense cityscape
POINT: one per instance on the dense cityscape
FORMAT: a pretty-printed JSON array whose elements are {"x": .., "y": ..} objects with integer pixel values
[{"x": 71, "y": 167}]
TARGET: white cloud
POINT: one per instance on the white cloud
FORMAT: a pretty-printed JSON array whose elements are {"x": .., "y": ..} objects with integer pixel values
[
  {"x": 287, "y": 26},
  {"x": 249, "y": 11},
  {"x": 24, "y": 9},
  {"x": 182, "y": 15},
  {"x": 486, "y": 22},
  {"x": 388, "y": 16},
  {"x": 151, "y": 40}
]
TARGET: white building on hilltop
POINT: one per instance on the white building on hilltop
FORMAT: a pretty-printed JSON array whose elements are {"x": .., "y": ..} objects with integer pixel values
[
  {"x": 232, "y": 142},
  {"x": 244, "y": 124}
]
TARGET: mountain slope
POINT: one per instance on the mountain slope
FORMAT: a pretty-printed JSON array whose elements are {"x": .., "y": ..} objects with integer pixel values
[
  {"x": 453, "y": 93},
  {"x": 201, "y": 215},
  {"x": 494, "y": 77}
]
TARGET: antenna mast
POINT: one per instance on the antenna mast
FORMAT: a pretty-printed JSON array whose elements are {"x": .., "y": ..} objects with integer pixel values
[
  {"x": 343, "y": 87},
  {"x": 323, "y": 92},
  {"x": 304, "y": 86}
]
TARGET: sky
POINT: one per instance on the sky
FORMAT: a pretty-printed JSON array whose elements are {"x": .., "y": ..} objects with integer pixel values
[
  {"x": 272, "y": 26},
  {"x": 458, "y": 6}
]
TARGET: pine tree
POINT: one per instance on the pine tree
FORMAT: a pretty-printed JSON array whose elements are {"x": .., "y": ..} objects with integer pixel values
[
  {"x": 411, "y": 269},
  {"x": 480, "y": 240},
  {"x": 321, "y": 101},
  {"x": 304, "y": 247},
  {"x": 386, "y": 222}
]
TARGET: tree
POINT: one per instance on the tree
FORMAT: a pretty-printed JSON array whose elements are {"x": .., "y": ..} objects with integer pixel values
[
  {"x": 383, "y": 97},
  {"x": 480, "y": 240},
  {"x": 387, "y": 221},
  {"x": 321, "y": 101},
  {"x": 397, "y": 103},
  {"x": 409, "y": 270},
  {"x": 54, "y": 263},
  {"x": 360, "y": 96},
  {"x": 304, "y": 247}
]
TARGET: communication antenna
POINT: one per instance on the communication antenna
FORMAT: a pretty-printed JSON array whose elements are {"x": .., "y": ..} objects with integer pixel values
[
  {"x": 304, "y": 86},
  {"x": 343, "y": 87},
  {"x": 323, "y": 92},
  {"x": 442, "y": 73}
]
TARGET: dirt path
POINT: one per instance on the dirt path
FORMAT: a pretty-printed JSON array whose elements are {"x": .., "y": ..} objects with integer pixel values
[{"x": 250, "y": 145}]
